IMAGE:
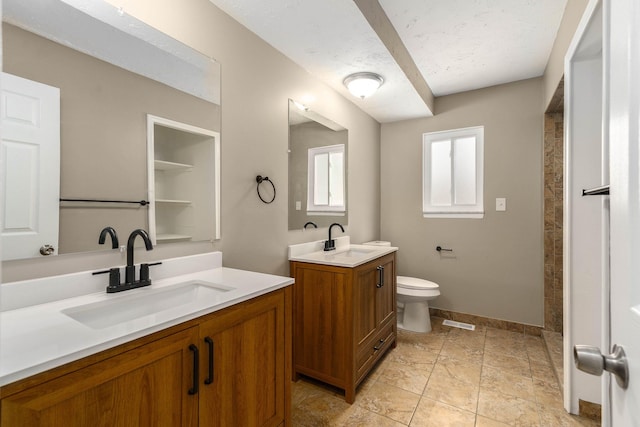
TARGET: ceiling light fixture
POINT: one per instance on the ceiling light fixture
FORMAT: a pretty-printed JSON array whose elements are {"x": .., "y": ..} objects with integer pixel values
[{"x": 363, "y": 84}]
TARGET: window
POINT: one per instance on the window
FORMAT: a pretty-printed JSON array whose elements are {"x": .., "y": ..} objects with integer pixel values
[
  {"x": 452, "y": 173},
  {"x": 326, "y": 179}
]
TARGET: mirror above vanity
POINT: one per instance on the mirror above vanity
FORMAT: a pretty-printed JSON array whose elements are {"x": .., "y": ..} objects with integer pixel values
[
  {"x": 318, "y": 150},
  {"x": 111, "y": 73}
]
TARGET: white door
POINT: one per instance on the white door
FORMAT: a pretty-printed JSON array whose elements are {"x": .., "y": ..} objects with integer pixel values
[
  {"x": 624, "y": 145},
  {"x": 30, "y": 159}
]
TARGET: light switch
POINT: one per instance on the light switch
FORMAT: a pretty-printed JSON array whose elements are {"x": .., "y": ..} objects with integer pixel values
[
  {"x": 501, "y": 204},
  {"x": 298, "y": 205}
]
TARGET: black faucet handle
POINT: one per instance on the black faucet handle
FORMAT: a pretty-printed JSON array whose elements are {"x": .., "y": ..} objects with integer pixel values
[
  {"x": 114, "y": 278},
  {"x": 144, "y": 271}
]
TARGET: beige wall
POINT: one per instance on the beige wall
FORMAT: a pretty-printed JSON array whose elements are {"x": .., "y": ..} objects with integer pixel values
[
  {"x": 257, "y": 82},
  {"x": 555, "y": 65},
  {"x": 496, "y": 269}
]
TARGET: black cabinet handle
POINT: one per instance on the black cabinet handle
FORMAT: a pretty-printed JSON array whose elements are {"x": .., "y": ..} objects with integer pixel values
[
  {"x": 209, "y": 379},
  {"x": 379, "y": 346},
  {"x": 196, "y": 368},
  {"x": 380, "y": 276}
]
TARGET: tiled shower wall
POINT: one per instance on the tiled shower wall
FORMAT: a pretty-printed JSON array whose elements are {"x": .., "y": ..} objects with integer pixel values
[{"x": 553, "y": 189}]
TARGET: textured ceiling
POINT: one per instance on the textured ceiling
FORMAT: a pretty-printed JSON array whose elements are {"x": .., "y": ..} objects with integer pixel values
[{"x": 457, "y": 45}]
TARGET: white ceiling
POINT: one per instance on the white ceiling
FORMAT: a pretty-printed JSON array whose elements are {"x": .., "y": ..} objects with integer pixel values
[{"x": 457, "y": 45}]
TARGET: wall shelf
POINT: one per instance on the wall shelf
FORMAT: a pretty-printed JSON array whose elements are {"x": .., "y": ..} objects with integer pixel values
[
  {"x": 172, "y": 237},
  {"x": 163, "y": 165},
  {"x": 181, "y": 179}
]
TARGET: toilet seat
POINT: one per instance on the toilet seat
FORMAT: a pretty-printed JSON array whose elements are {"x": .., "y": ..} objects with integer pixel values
[
  {"x": 415, "y": 283},
  {"x": 414, "y": 287}
]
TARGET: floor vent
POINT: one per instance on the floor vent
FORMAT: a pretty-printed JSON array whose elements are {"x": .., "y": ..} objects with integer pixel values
[{"x": 460, "y": 325}]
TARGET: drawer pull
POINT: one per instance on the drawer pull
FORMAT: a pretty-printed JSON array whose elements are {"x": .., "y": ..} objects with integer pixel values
[
  {"x": 196, "y": 373},
  {"x": 380, "y": 276},
  {"x": 209, "y": 379},
  {"x": 379, "y": 346}
]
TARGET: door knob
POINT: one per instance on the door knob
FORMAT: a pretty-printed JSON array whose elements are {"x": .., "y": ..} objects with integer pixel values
[
  {"x": 47, "y": 250},
  {"x": 589, "y": 359}
]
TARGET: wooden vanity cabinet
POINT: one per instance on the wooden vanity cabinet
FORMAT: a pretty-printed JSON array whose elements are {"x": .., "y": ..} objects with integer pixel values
[
  {"x": 150, "y": 382},
  {"x": 145, "y": 386},
  {"x": 344, "y": 320}
]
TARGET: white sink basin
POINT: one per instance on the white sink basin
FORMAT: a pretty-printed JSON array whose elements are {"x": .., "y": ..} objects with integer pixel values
[
  {"x": 353, "y": 252},
  {"x": 147, "y": 302}
]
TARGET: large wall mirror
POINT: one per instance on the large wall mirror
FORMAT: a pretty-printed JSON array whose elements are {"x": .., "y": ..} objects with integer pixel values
[
  {"x": 90, "y": 75},
  {"x": 318, "y": 150}
]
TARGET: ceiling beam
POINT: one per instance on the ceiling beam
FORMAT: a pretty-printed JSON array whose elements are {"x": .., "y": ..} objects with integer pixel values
[{"x": 385, "y": 30}]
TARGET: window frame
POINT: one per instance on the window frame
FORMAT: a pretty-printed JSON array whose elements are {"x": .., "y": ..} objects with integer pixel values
[
  {"x": 475, "y": 211},
  {"x": 312, "y": 208}
]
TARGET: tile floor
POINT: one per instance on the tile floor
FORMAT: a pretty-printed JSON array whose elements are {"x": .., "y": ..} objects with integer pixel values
[{"x": 450, "y": 377}]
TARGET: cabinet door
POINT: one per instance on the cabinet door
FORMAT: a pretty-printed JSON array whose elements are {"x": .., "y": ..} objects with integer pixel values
[
  {"x": 386, "y": 294},
  {"x": 246, "y": 384},
  {"x": 321, "y": 324},
  {"x": 375, "y": 297},
  {"x": 365, "y": 289},
  {"x": 146, "y": 386}
]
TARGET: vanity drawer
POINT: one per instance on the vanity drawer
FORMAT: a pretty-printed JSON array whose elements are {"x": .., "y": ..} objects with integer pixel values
[{"x": 373, "y": 349}]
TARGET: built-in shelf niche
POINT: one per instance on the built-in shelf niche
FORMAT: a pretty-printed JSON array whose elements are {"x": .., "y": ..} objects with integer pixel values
[{"x": 184, "y": 180}]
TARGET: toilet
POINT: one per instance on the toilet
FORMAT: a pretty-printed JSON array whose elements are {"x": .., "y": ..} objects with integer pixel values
[{"x": 412, "y": 297}]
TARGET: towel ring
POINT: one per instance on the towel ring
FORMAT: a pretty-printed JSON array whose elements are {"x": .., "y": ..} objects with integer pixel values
[{"x": 260, "y": 179}]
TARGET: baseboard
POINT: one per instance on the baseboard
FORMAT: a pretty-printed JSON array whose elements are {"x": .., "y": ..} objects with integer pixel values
[{"x": 487, "y": 321}]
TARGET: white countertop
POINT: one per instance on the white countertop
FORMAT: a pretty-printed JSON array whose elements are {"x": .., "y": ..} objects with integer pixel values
[
  {"x": 36, "y": 336},
  {"x": 345, "y": 254}
]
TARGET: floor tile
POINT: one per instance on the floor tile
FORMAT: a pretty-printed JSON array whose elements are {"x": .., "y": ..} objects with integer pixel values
[
  {"x": 547, "y": 393},
  {"x": 508, "y": 409},
  {"x": 413, "y": 355},
  {"x": 461, "y": 351},
  {"x": 431, "y": 413},
  {"x": 541, "y": 370},
  {"x": 488, "y": 422},
  {"x": 505, "y": 347},
  {"x": 412, "y": 378},
  {"x": 461, "y": 369},
  {"x": 509, "y": 364},
  {"x": 452, "y": 391},
  {"x": 509, "y": 384},
  {"x": 429, "y": 341},
  {"x": 389, "y": 401},
  {"x": 357, "y": 416},
  {"x": 560, "y": 418}
]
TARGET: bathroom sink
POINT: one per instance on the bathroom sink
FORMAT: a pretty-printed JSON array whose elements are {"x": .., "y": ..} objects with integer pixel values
[
  {"x": 146, "y": 302},
  {"x": 353, "y": 252}
]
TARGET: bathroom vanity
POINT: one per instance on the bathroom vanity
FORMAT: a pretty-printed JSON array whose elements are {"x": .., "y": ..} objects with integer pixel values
[
  {"x": 218, "y": 355},
  {"x": 344, "y": 312}
]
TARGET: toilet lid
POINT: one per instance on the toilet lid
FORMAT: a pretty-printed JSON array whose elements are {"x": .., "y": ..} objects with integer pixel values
[{"x": 415, "y": 283}]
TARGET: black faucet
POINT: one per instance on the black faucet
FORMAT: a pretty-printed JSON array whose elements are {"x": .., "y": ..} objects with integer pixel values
[
  {"x": 330, "y": 245},
  {"x": 130, "y": 270},
  {"x": 310, "y": 223},
  {"x": 130, "y": 281},
  {"x": 114, "y": 237}
]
